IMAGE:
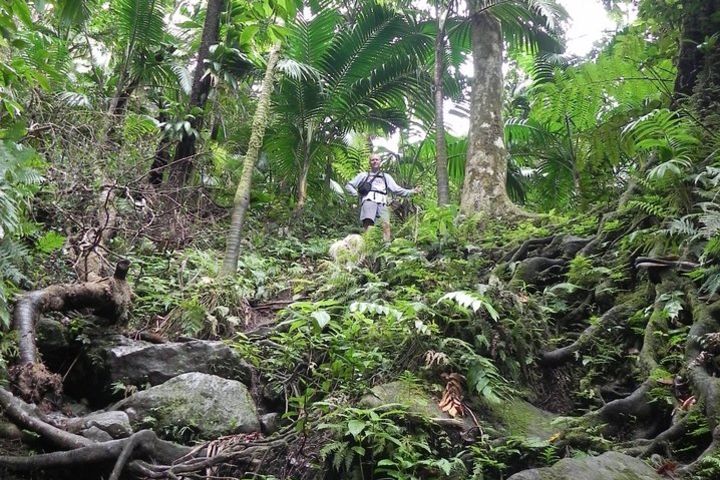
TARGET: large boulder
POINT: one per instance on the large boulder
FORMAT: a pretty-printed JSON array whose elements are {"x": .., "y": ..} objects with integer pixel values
[
  {"x": 138, "y": 363},
  {"x": 608, "y": 466},
  {"x": 412, "y": 397},
  {"x": 207, "y": 405},
  {"x": 115, "y": 363}
]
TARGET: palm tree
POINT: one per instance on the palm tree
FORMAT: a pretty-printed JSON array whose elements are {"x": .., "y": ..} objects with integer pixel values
[
  {"x": 342, "y": 78},
  {"x": 140, "y": 35},
  {"x": 526, "y": 22}
]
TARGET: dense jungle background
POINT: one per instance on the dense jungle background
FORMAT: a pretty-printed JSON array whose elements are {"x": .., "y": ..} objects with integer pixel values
[{"x": 186, "y": 292}]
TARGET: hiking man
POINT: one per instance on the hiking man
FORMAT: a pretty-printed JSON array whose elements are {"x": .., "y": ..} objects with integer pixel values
[{"x": 372, "y": 189}]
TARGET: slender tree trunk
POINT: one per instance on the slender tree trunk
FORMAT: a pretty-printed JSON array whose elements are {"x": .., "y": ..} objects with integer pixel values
[
  {"x": 242, "y": 194},
  {"x": 441, "y": 162},
  {"x": 302, "y": 181},
  {"x": 162, "y": 155},
  {"x": 182, "y": 163},
  {"x": 484, "y": 189}
]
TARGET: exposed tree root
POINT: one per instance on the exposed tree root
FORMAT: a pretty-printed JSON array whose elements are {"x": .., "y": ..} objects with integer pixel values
[
  {"x": 168, "y": 459},
  {"x": 610, "y": 319},
  {"x": 25, "y": 417},
  {"x": 522, "y": 251},
  {"x": 635, "y": 405},
  {"x": 713, "y": 448},
  {"x": 644, "y": 448},
  {"x": 109, "y": 297}
]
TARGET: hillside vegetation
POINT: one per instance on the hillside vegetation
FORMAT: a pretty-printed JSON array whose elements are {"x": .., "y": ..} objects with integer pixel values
[{"x": 185, "y": 290}]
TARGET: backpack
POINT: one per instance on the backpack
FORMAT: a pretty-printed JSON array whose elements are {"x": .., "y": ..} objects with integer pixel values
[{"x": 365, "y": 186}]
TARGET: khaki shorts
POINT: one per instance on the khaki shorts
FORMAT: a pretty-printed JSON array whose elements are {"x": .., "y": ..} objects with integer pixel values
[{"x": 372, "y": 211}]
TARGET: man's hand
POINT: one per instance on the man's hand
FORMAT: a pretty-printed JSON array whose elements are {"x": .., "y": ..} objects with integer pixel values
[{"x": 416, "y": 190}]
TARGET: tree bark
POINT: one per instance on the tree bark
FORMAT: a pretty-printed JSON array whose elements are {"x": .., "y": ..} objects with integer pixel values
[
  {"x": 185, "y": 151},
  {"x": 441, "y": 161},
  {"x": 242, "y": 194},
  {"x": 484, "y": 189}
]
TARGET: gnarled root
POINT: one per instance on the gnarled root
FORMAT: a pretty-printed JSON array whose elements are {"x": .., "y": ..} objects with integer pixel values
[
  {"x": 109, "y": 297},
  {"x": 611, "y": 318}
]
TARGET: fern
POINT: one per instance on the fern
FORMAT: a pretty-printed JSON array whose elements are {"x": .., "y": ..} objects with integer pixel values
[
  {"x": 375, "y": 308},
  {"x": 653, "y": 209},
  {"x": 473, "y": 301}
]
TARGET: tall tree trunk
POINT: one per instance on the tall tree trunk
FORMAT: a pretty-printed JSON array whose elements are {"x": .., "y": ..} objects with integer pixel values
[
  {"x": 242, "y": 194},
  {"x": 689, "y": 56},
  {"x": 705, "y": 17},
  {"x": 484, "y": 189},
  {"x": 441, "y": 162},
  {"x": 182, "y": 163}
]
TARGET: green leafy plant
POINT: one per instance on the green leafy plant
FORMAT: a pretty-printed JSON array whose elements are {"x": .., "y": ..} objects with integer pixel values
[
  {"x": 372, "y": 442},
  {"x": 19, "y": 180}
]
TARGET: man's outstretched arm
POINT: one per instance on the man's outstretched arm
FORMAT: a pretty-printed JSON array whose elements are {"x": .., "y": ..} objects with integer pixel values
[{"x": 397, "y": 189}]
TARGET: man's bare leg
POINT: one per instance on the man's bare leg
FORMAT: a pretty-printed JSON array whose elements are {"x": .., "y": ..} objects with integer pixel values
[{"x": 387, "y": 236}]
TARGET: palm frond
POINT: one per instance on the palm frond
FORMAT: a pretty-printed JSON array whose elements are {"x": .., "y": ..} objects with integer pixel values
[{"x": 139, "y": 23}]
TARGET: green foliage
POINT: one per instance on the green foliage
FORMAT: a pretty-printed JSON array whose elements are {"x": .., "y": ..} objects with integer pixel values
[
  {"x": 498, "y": 460},
  {"x": 583, "y": 274},
  {"x": 342, "y": 78},
  {"x": 373, "y": 442},
  {"x": 8, "y": 352},
  {"x": 473, "y": 301},
  {"x": 19, "y": 180},
  {"x": 569, "y": 138},
  {"x": 185, "y": 291}
]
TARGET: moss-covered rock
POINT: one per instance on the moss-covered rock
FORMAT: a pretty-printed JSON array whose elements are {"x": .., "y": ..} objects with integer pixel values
[
  {"x": 608, "y": 466},
  {"x": 519, "y": 418},
  {"x": 410, "y": 396},
  {"x": 206, "y": 405}
]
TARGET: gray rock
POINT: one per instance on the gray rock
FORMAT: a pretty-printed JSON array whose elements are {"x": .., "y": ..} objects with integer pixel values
[
  {"x": 137, "y": 363},
  {"x": 9, "y": 431},
  {"x": 209, "y": 405},
  {"x": 116, "y": 423},
  {"x": 94, "y": 433},
  {"x": 269, "y": 423},
  {"x": 416, "y": 400},
  {"x": 608, "y": 466}
]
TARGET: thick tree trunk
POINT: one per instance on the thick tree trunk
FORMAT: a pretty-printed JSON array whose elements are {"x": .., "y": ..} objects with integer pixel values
[
  {"x": 697, "y": 84},
  {"x": 242, "y": 194},
  {"x": 441, "y": 162},
  {"x": 484, "y": 190},
  {"x": 185, "y": 151}
]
